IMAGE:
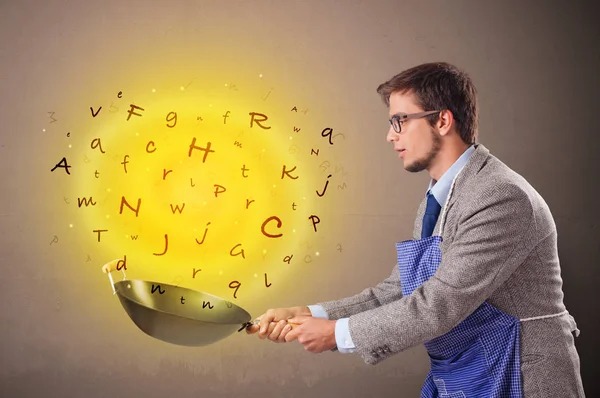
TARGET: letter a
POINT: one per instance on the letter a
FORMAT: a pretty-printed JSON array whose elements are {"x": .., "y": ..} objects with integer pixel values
[{"x": 62, "y": 163}]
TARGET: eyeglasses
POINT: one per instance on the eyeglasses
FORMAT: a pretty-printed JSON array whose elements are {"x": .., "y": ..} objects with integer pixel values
[{"x": 396, "y": 120}]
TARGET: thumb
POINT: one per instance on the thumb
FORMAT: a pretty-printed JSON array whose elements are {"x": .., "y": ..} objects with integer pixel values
[{"x": 252, "y": 329}]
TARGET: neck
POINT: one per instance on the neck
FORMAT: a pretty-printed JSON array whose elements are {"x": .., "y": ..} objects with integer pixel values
[{"x": 445, "y": 158}]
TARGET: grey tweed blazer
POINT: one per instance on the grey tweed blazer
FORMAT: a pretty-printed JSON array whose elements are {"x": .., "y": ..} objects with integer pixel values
[{"x": 500, "y": 246}]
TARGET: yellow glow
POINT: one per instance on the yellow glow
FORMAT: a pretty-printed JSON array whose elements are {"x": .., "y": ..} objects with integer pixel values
[{"x": 186, "y": 204}]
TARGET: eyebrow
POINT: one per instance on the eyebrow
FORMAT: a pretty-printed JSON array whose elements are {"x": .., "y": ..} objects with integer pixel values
[{"x": 399, "y": 114}]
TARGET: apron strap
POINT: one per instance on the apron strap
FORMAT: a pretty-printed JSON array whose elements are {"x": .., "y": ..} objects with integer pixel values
[{"x": 535, "y": 318}]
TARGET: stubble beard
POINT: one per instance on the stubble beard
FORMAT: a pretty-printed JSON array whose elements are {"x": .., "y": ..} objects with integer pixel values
[{"x": 425, "y": 162}]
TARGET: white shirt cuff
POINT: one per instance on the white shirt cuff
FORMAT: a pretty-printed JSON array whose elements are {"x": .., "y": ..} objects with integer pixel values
[
  {"x": 317, "y": 311},
  {"x": 343, "y": 339}
]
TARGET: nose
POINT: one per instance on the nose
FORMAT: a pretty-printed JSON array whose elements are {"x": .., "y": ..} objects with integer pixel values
[{"x": 392, "y": 135}]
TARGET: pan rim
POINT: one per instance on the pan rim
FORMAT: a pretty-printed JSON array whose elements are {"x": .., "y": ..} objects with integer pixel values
[{"x": 180, "y": 316}]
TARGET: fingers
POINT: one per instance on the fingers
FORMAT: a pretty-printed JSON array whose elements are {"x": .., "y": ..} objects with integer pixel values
[
  {"x": 256, "y": 328},
  {"x": 276, "y": 331},
  {"x": 286, "y": 330},
  {"x": 293, "y": 334},
  {"x": 265, "y": 322},
  {"x": 269, "y": 323},
  {"x": 275, "y": 335},
  {"x": 273, "y": 330}
]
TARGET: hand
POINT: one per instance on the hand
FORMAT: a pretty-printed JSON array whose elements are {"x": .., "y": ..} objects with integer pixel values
[
  {"x": 315, "y": 334},
  {"x": 271, "y": 325},
  {"x": 275, "y": 331}
]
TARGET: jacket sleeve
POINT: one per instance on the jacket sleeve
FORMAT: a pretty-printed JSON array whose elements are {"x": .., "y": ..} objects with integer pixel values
[
  {"x": 492, "y": 239},
  {"x": 385, "y": 292}
]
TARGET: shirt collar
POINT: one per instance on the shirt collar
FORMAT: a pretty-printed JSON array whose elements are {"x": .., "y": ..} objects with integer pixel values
[{"x": 441, "y": 188}]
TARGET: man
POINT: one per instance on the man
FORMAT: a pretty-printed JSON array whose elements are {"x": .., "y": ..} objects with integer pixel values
[{"x": 479, "y": 285}]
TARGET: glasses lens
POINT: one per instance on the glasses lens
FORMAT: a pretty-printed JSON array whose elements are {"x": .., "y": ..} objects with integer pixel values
[{"x": 396, "y": 123}]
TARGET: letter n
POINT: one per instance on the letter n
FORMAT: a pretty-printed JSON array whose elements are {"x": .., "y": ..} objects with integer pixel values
[{"x": 136, "y": 210}]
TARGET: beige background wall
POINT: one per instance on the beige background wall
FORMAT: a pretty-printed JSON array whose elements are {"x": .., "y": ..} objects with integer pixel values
[{"x": 535, "y": 65}]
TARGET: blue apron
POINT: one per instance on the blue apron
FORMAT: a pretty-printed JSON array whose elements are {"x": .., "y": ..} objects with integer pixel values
[{"x": 480, "y": 357}]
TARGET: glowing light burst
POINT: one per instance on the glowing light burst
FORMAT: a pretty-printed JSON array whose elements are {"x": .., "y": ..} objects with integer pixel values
[{"x": 203, "y": 170}]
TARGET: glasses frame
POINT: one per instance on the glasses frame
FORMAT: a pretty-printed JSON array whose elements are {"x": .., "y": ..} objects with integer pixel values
[{"x": 401, "y": 118}]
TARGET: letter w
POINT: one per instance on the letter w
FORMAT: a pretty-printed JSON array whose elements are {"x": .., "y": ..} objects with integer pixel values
[{"x": 177, "y": 208}]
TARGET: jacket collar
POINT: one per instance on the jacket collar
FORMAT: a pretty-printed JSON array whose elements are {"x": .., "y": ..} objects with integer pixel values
[{"x": 472, "y": 168}]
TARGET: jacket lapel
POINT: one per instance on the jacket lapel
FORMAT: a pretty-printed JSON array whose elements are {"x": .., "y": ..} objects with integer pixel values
[{"x": 471, "y": 168}]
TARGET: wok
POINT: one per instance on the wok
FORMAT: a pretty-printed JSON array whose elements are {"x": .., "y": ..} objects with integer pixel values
[{"x": 178, "y": 315}]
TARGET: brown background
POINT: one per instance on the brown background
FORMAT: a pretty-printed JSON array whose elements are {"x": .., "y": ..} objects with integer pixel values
[{"x": 535, "y": 65}]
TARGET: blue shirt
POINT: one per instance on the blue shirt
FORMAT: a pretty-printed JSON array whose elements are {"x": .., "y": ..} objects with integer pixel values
[{"x": 439, "y": 190}]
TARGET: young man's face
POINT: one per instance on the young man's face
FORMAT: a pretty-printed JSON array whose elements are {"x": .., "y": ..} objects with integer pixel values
[{"x": 417, "y": 143}]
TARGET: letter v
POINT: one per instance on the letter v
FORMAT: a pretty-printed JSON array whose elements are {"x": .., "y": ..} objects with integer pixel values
[{"x": 95, "y": 114}]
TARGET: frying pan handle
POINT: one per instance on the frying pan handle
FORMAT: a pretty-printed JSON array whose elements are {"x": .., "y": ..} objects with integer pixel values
[
  {"x": 112, "y": 283},
  {"x": 108, "y": 269}
]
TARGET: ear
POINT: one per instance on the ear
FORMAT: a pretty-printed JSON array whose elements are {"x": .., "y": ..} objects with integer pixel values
[{"x": 445, "y": 123}]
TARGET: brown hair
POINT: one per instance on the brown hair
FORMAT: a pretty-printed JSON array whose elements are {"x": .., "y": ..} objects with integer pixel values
[{"x": 439, "y": 85}]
